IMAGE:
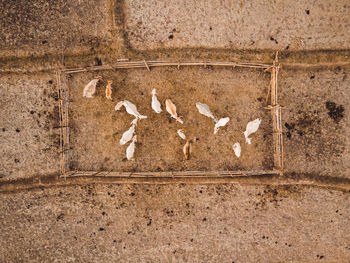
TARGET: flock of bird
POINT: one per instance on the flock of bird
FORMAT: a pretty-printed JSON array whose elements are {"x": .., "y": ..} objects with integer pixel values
[{"x": 128, "y": 136}]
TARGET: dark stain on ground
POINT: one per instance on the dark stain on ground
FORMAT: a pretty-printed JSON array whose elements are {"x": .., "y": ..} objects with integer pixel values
[
  {"x": 315, "y": 138},
  {"x": 291, "y": 128},
  {"x": 60, "y": 217},
  {"x": 119, "y": 8},
  {"x": 98, "y": 61},
  {"x": 73, "y": 165},
  {"x": 149, "y": 222},
  {"x": 307, "y": 123},
  {"x": 275, "y": 195},
  {"x": 335, "y": 112},
  {"x": 54, "y": 116},
  {"x": 273, "y": 39}
]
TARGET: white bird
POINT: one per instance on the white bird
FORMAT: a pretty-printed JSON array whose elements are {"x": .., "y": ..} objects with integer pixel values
[
  {"x": 130, "y": 108},
  {"x": 127, "y": 136},
  {"x": 222, "y": 122},
  {"x": 204, "y": 109},
  {"x": 171, "y": 108},
  {"x": 90, "y": 88},
  {"x": 131, "y": 148},
  {"x": 181, "y": 133},
  {"x": 119, "y": 105},
  {"x": 134, "y": 121},
  {"x": 237, "y": 149},
  {"x": 155, "y": 102},
  {"x": 252, "y": 127}
]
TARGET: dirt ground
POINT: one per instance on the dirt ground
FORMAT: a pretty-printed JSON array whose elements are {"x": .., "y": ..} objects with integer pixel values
[
  {"x": 300, "y": 216},
  {"x": 238, "y": 94}
]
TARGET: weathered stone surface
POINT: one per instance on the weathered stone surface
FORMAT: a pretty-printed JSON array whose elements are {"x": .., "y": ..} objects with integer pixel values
[
  {"x": 29, "y": 135},
  {"x": 292, "y": 25},
  {"x": 316, "y": 121},
  {"x": 179, "y": 223},
  {"x": 41, "y": 27}
]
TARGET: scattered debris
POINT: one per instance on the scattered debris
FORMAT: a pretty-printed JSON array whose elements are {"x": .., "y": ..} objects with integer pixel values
[
  {"x": 90, "y": 88},
  {"x": 109, "y": 89},
  {"x": 130, "y": 108},
  {"x": 237, "y": 149},
  {"x": 181, "y": 133},
  {"x": 171, "y": 108},
  {"x": 122, "y": 59},
  {"x": 204, "y": 109},
  {"x": 127, "y": 136},
  {"x": 252, "y": 127},
  {"x": 155, "y": 102},
  {"x": 131, "y": 148}
]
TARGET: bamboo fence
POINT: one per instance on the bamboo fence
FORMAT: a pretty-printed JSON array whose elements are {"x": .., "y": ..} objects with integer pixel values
[
  {"x": 63, "y": 93},
  {"x": 276, "y": 113}
]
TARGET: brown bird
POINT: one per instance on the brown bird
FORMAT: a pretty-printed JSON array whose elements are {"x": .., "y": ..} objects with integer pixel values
[
  {"x": 187, "y": 149},
  {"x": 171, "y": 108},
  {"x": 109, "y": 90}
]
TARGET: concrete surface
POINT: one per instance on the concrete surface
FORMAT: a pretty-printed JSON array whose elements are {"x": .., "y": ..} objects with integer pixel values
[
  {"x": 43, "y": 27},
  {"x": 29, "y": 135},
  {"x": 258, "y": 24},
  {"x": 315, "y": 121},
  {"x": 301, "y": 216},
  {"x": 175, "y": 223}
]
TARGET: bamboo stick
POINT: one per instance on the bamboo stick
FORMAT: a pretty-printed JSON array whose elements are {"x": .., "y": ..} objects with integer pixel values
[
  {"x": 149, "y": 64},
  {"x": 168, "y": 174},
  {"x": 60, "y": 112},
  {"x": 276, "y": 118},
  {"x": 64, "y": 100}
]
